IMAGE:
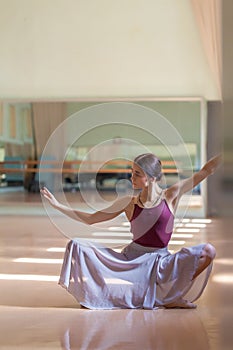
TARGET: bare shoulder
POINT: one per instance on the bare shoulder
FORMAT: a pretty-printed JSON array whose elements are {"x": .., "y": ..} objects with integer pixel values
[
  {"x": 172, "y": 197},
  {"x": 129, "y": 209},
  {"x": 129, "y": 201},
  {"x": 126, "y": 200},
  {"x": 172, "y": 192},
  {"x": 120, "y": 204}
]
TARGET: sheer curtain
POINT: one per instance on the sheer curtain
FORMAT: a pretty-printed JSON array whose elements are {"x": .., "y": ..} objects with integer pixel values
[
  {"x": 208, "y": 14},
  {"x": 47, "y": 116}
]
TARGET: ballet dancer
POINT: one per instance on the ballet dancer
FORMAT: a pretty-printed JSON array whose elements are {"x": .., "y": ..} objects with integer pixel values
[{"x": 144, "y": 274}]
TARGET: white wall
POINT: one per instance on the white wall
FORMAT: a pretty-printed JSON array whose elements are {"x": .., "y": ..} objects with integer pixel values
[{"x": 68, "y": 49}]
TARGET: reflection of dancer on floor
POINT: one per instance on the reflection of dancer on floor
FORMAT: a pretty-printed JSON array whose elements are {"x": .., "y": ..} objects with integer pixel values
[{"x": 151, "y": 214}]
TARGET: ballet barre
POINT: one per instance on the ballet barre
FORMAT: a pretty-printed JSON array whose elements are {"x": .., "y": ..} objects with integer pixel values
[{"x": 73, "y": 167}]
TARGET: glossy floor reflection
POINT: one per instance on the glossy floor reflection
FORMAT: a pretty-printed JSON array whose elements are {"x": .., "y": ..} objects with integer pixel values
[
  {"x": 36, "y": 313},
  {"x": 89, "y": 329}
]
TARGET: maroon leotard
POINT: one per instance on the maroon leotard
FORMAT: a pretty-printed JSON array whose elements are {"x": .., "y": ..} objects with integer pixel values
[{"x": 152, "y": 227}]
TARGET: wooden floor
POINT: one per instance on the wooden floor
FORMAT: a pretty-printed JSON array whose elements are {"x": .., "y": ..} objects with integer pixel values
[{"x": 36, "y": 313}]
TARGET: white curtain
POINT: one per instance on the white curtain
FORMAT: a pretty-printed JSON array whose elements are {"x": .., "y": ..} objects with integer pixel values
[{"x": 208, "y": 14}]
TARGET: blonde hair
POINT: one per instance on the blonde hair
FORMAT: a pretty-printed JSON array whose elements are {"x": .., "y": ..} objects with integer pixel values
[{"x": 150, "y": 164}]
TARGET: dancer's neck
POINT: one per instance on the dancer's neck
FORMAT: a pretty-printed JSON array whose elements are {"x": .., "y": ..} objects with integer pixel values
[{"x": 150, "y": 195}]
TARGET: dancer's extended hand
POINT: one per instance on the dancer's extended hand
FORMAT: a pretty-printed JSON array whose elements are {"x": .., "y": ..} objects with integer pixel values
[
  {"x": 212, "y": 165},
  {"x": 49, "y": 196}
]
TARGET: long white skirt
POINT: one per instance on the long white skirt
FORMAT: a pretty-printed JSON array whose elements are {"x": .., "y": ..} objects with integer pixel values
[{"x": 138, "y": 277}]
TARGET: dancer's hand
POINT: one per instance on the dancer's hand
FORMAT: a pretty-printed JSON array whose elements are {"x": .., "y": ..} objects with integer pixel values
[
  {"x": 49, "y": 196},
  {"x": 212, "y": 165}
]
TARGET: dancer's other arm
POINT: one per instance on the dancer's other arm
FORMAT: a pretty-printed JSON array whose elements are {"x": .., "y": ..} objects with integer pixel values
[
  {"x": 175, "y": 192},
  {"x": 109, "y": 213}
]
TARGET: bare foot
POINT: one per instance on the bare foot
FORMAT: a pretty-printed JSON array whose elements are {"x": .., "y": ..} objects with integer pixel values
[{"x": 181, "y": 304}]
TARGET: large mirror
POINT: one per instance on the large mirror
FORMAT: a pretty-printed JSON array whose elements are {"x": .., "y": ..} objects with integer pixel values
[{"x": 26, "y": 127}]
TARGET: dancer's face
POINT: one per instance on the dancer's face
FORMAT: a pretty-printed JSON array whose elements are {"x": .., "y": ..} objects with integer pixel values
[{"x": 138, "y": 177}]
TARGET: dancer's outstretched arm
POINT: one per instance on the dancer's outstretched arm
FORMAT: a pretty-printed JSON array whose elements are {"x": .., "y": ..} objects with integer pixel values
[
  {"x": 109, "y": 213},
  {"x": 177, "y": 190}
]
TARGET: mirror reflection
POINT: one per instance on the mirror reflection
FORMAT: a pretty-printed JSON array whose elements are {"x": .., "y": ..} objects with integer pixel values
[{"x": 26, "y": 127}]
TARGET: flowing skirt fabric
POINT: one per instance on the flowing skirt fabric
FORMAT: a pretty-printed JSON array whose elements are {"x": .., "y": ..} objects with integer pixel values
[{"x": 138, "y": 277}]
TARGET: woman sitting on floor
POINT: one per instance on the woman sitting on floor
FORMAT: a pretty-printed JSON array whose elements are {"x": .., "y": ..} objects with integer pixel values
[{"x": 147, "y": 274}]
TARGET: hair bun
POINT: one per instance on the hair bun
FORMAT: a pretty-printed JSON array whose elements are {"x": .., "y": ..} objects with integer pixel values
[{"x": 159, "y": 176}]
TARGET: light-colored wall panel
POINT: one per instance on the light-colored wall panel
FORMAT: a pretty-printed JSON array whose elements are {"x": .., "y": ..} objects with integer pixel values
[{"x": 64, "y": 49}]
